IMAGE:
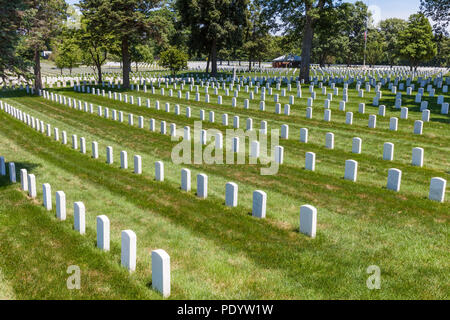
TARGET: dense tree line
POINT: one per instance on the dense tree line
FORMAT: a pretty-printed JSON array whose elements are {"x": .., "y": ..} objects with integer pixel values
[{"x": 218, "y": 31}]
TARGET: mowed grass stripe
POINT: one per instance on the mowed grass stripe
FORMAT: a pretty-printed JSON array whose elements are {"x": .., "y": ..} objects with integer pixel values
[
  {"x": 36, "y": 250},
  {"x": 372, "y": 172},
  {"x": 373, "y": 139},
  {"x": 346, "y": 224}
]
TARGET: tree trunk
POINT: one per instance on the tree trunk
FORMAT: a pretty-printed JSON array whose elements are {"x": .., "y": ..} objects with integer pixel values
[
  {"x": 137, "y": 70},
  {"x": 249, "y": 63},
  {"x": 308, "y": 34},
  {"x": 37, "y": 71},
  {"x": 126, "y": 63},
  {"x": 214, "y": 59},
  {"x": 99, "y": 70}
]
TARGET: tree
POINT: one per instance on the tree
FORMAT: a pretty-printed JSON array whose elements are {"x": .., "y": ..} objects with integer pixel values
[
  {"x": 439, "y": 12},
  {"x": 128, "y": 21},
  {"x": 326, "y": 47},
  {"x": 42, "y": 20},
  {"x": 416, "y": 42},
  {"x": 256, "y": 34},
  {"x": 356, "y": 17},
  {"x": 141, "y": 53},
  {"x": 300, "y": 17},
  {"x": 376, "y": 47},
  {"x": 212, "y": 23},
  {"x": 67, "y": 52},
  {"x": 11, "y": 63},
  {"x": 391, "y": 30},
  {"x": 173, "y": 59},
  {"x": 96, "y": 44}
]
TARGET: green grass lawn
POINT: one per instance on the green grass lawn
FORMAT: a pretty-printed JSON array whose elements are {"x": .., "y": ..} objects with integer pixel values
[{"x": 219, "y": 252}]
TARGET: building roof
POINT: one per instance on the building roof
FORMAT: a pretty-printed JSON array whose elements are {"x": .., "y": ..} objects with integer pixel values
[{"x": 287, "y": 58}]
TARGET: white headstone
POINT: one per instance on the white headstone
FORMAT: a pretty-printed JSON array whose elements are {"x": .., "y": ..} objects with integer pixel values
[
  {"x": 123, "y": 160},
  {"x": 437, "y": 189},
  {"x": 47, "y": 196},
  {"x": 159, "y": 171},
  {"x": 128, "y": 250},
  {"x": 329, "y": 140},
  {"x": 31, "y": 185},
  {"x": 24, "y": 179},
  {"x": 349, "y": 117},
  {"x": 60, "y": 205},
  {"x": 418, "y": 127},
  {"x": 231, "y": 194},
  {"x": 137, "y": 164},
  {"x": 310, "y": 161},
  {"x": 109, "y": 155},
  {"x": 351, "y": 170},
  {"x": 417, "y": 157},
  {"x": 304, "y": 135},
  {"x": 308, "y": 220},
  {"x": 2, "y": 166},
  {"x": 356, "y": 145},
  {"x": 12, "y": 172},
  {"x": 202, "y": 185},
  {"x": 393, "y": 123},
  {"x": 103, "y": 228},
  {"x": 388, "y": 151},
  {"x": 259, "y": 204},
  {"x": 79, "y": 216},
  {"x": 161, "y": 272}
]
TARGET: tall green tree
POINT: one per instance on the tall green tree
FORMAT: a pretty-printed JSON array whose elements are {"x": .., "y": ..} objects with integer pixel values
[
  {"x": 327, "y": 46},
  {"x": 95, "y": 44},
  {"x": 356, "y": 17},
  {"x": 66, "y": 51},
  {"x": 391, "y": 30},
  {"x": 128, "y": 21},
  {"x": 439, "y": 12},
  {"x": 256, "y": 34},
  {"x": 212, "y": 23},
  {"x": 141, "y": 53},
  {"x": 173, "y": 59},
  {"x": 42, "y": 20},
  {"x": 416, "y": 42},
  {"x": 12, "y": 64},
  {"x": 299, "y": 17},
  {"x": 376, "y": 47}
]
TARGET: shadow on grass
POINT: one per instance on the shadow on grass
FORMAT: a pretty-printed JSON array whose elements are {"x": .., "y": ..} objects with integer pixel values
[{"x": 5, "y": 180}]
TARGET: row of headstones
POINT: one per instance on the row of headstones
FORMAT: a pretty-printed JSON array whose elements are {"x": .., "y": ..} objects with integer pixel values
[
  {"x": 160, "y": 258},
  {"x": 279, "y": 151},
  {"x": 278, "y": 154},
  {"x": 388, "y": 147},
  {"x": 418, "y": 125},
  {"x": 327, "y": 114},
  {"x": 437, "y": 80},
  {"x": 356, "y": 146},
  {"x": 394, "y": 175},
  {"x": 308, "y": 213},
  {"x": 259, "y": 197},
  {"x": 437, "y": 184}
]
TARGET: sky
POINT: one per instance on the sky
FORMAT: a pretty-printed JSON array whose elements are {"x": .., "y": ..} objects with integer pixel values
[{"x": 384, "y": 9}]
